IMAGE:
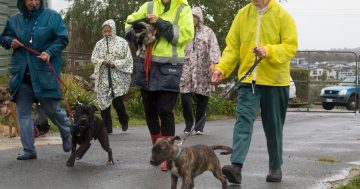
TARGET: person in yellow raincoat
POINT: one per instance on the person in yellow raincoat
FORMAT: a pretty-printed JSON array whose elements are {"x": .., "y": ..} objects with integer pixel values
[
  {"x": 158, "y": 75},
  {"x": 262, "y": 29}
]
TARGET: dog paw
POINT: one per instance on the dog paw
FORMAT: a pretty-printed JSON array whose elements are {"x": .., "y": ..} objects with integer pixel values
[
  {"x": 110, "y": 163},
  {"x": 70, "y": 164}
]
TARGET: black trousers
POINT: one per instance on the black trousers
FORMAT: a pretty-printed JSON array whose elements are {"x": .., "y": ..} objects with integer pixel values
[
  {"x": 159, "y": 111},
  {"x": 121, "y": 113},
  {"x": 201, "y": 105}
]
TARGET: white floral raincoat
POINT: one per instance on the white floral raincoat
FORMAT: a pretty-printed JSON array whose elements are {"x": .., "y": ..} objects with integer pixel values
[{"x": 120, "y": 56}]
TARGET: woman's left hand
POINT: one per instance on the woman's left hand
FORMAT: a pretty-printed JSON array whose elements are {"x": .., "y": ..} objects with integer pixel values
[
  {"x": 260, "y": 52},
  {"x": 152, "y": 18}
]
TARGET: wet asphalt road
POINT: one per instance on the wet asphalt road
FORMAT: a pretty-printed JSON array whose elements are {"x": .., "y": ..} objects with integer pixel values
[{"x": 307, "y": 137}]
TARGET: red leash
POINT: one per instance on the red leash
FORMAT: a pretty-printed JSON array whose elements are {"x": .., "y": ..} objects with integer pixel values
[
  {"x": 148, "y": 58},
  {"x": 58, "y": 79},
  {"x": 147, "y": 61}
]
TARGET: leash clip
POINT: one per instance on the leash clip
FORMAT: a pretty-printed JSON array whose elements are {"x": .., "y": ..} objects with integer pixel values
[{"x": 181, "y": 143}]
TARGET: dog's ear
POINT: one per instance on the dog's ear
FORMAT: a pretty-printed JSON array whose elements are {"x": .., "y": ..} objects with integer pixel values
[
  {"x": 94, "y": 107},
  {"x": 75, "y": 106},
  {"x": 173, "y": 139}
]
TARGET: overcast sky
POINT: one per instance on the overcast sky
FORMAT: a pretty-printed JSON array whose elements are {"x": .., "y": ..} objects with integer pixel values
[{"x": 321, "y": 24}]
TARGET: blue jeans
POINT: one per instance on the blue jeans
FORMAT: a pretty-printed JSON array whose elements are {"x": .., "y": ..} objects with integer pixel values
[{"x": 24, "y": 100}]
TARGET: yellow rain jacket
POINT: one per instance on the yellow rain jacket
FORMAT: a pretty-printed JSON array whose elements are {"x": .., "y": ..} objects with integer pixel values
[
  {"x": 277, "y": 34},
  {"x": 165, "y": 51}
]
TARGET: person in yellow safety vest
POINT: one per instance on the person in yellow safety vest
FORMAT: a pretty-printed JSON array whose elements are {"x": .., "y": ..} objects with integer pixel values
[
  {"x": 158, "y": 75},
  {"x": 262, "y": 29}
]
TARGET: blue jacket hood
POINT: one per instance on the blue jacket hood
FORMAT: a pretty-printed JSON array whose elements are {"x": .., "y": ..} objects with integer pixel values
[{"x": 22, "y": 8}]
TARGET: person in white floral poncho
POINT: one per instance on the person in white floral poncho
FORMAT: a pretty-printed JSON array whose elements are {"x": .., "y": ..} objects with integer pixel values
[
  {"x": 201, "y": 54},
  {"x": 112, "y": 57}
]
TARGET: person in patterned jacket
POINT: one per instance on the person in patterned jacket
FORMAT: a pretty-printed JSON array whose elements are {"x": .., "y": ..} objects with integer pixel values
[
  {"x": 113, "y": 68},
  {"x": 201, "y": 55}
]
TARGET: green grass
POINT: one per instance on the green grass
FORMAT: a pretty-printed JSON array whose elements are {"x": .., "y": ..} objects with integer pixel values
[
  {"x": 353, "y": 184},
  {"x": 330, "y": 160}
]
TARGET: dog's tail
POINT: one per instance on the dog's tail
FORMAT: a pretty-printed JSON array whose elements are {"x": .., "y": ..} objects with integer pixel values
[{"x": 227, "y": 150}]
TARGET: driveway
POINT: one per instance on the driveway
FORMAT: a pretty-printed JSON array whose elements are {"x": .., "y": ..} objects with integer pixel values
[{"x": 318, "y": 147}]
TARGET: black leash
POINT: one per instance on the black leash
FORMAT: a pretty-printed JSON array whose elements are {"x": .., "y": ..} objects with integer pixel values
[
  {"x": 109, "y": 69},
  {"x": 247, "y": 74}
]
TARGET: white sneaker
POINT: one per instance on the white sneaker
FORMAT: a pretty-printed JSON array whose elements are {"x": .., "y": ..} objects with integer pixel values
[
  {"x": 186, "y": 132},
  {"x": 199, "y": 133}
]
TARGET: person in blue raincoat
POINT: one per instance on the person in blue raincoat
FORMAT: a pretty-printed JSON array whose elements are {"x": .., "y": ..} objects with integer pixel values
[{"x": 31, "y": 79}]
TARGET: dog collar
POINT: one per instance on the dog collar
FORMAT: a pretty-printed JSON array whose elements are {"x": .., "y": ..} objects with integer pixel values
[{"x": 178, "y": 152}]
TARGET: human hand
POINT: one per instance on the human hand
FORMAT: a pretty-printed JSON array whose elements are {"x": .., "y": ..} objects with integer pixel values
[
  {"x": 106, "y": 62},
  {"x": 44, "y": 57},
  {"x": 152, "y": 18},
  {"x": 212, "y": 68},
  {"x": 216, "y": 77},
  {"x": 260, "y": 52},
  {"x": 15, "y": 44}
]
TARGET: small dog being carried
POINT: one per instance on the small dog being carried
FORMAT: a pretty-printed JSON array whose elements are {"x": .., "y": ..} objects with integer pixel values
[
  {"x": 8, "y": 109},
  {"x": 86, "y": 127},
  {"x": 145, "y": 34},
  {"x": 188, "y": 162}
]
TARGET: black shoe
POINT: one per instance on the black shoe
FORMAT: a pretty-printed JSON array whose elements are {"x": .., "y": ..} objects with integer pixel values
[
  {"x": 27, "y": 156},
  {"x": 187, "y": 131},
  {"x": 109, "y": 130},
  {"x": 66, "y": 142},
  {"x": 124, "y": 127},
  {"x": 275, "y": 175},
  {"x": 232, "y": 173}
]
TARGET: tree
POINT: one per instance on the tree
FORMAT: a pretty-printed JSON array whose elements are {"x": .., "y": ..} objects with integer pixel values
[
  {"x": 218, "y": 15},
  {"x": 85, "y": 18}
]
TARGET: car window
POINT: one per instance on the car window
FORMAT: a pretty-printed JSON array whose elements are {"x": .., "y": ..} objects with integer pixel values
[{"x": 349, "y": 81}]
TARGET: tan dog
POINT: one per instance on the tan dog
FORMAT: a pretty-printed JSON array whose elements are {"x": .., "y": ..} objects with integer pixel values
[
  {"x": 188, "y": 162},
  {"x": 7, "y": 110}
]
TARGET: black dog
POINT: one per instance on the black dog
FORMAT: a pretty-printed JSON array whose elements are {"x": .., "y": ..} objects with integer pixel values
[
  {"x": 86, "y": 127},
  {"x": 145, "y": 34},
  {"x": 188, "y": 162}
]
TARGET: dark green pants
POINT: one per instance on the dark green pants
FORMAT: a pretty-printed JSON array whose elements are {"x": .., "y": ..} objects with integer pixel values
[{"x": 273, "y": 102}]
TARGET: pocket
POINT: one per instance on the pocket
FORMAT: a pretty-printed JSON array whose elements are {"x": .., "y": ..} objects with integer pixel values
[
  {"x": 43, "y": 33},
  {"x": 47, "y": 79},
  {"x": 140, "y": 79},
  {"x": 169, "y": 76},
  {"x": 14, "y": 69}
]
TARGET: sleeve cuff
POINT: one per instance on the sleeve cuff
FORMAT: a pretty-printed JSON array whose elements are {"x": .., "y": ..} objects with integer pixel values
[
  {"x": 8, "y": 41},
  {"x": 49, "y": 53},
  {"x": 268, "y": 51}
]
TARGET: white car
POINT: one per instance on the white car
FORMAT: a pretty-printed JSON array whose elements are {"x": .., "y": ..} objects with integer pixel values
[{"x": 292, "y": 89}]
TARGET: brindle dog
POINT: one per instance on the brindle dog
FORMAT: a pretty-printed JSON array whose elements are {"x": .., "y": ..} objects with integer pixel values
[
  {"x": 86, "y": 127},
  {"x": 7, "y": 110},
  {"x": 188, "y": 162}
]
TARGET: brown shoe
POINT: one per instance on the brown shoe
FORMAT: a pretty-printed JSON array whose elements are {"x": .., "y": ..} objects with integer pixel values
[
  {"x": 275, "y": 175},
  {"x": 232, "y": 173}
]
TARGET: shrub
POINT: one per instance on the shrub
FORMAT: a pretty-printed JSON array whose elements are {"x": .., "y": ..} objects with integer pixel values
[
  {"x": 75, "y": 88},
  {"x": 300, "y": 77}
]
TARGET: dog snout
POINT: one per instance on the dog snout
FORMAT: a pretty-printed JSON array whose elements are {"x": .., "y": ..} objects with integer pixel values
[
  {"x": 154, "y": 162},
  {"x": 83, "y": 120}
]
